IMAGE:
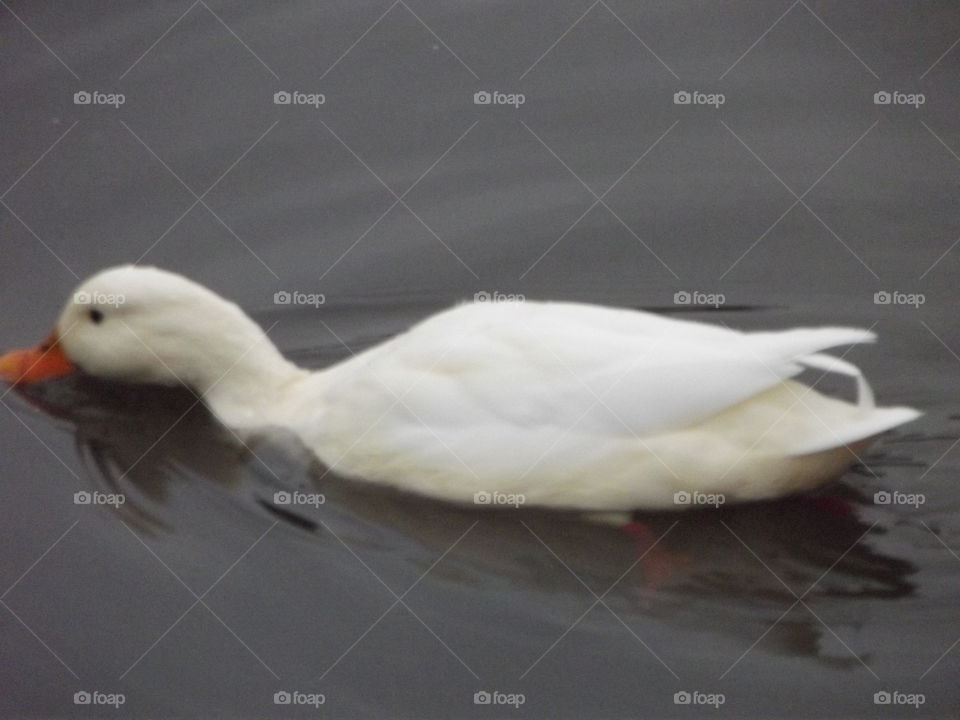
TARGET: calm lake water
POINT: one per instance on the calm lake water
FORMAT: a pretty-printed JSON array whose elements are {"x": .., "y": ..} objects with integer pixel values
[{"x": 785, "y": 192}]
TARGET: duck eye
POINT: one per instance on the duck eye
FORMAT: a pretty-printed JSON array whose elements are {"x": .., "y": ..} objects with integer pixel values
[{"x": 96, "y": 316}]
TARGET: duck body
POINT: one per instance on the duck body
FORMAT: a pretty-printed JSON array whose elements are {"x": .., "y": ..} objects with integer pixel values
[
  {"x": 559, "y": 405},
  {"x": 583, "y": 407}
]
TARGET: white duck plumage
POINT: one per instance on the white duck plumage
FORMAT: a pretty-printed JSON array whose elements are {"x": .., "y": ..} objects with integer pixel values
[{"x": 570, "y": 405}]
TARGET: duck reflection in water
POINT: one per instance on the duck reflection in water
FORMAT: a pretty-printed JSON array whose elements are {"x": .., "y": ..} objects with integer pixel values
[{"x": 724, "y": 570}]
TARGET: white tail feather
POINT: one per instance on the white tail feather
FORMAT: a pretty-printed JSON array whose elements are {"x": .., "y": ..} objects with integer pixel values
[
  {"x": 865, "y": 399},
  {"x": 878, "y": 421},
  {"x": 791, "y": 344}
]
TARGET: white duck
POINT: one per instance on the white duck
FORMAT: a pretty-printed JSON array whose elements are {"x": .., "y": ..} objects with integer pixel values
[{"x": 567, "y": 405}]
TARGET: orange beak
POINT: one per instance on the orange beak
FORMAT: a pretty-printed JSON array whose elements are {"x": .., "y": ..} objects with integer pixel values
[{"x": 42, "y": 362}]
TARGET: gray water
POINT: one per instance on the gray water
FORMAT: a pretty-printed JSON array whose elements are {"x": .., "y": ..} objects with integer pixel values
[{"x": 797, "y": 199}]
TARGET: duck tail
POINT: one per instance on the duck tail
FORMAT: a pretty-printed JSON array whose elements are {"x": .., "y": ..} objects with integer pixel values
[
  {"x": 871, "y": 421},
  {"x": 865, "y": 398}
]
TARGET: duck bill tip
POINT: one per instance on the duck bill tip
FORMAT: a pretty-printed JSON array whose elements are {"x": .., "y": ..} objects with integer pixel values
[{"x": 35, "y": 364}]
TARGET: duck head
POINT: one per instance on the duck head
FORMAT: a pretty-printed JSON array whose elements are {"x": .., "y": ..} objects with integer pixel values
[{"x": 145, "y": 325}]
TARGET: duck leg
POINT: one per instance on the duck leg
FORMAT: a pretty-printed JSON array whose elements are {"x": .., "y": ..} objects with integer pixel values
[{"x": 658, "y": 562}]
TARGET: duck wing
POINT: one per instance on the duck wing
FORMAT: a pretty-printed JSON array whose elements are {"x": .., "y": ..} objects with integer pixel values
[{"x": 608, "y": 372}]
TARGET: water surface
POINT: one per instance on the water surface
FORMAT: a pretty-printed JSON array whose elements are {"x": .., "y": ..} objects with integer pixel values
[{"x": 200, "y": 598}]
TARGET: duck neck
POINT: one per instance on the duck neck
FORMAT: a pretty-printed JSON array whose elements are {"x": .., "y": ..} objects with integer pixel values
[{"x": 254, "y": 391}]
